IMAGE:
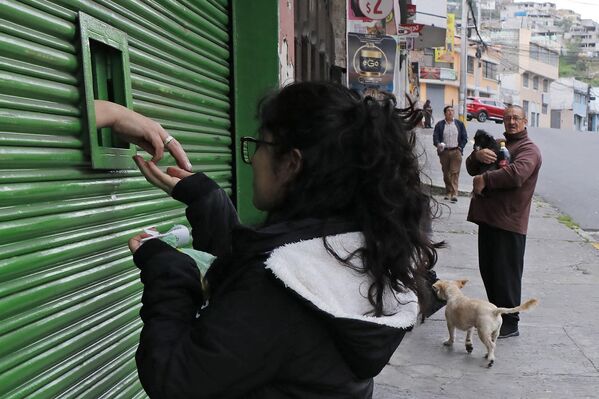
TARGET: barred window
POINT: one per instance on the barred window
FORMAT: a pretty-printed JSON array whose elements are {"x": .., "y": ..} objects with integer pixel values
[
  {"x": 544, "y": 55},
  {"x": 489, "y": 70}
]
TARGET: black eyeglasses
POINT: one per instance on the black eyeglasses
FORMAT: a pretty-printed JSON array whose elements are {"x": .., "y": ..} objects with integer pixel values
[
  {"x": 249, "y": 146},
  {"x": 514, "y": 118}
]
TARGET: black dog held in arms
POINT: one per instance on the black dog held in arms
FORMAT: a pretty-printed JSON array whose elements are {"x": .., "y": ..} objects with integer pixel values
[{"x": 483, "y": 140}]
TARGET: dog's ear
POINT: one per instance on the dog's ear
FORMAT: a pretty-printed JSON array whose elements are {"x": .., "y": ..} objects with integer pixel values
[{"x": 462, "y": 283}]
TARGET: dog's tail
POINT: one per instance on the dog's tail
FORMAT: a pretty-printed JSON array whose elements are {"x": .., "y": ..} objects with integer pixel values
[{"x": 531, "y": 303}]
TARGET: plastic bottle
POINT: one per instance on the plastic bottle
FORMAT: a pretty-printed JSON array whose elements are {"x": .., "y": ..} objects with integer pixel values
[
  {"x": 178, "y": 236},
  {"x": 503, "y": 158}
]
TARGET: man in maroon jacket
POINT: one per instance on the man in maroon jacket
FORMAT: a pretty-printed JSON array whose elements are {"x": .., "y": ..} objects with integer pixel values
[{"x": 501, "y": 208}]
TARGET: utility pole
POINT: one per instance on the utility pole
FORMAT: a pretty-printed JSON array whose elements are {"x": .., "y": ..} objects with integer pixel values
[
  {"x": 476, "y": 67},
  {"x": 463, "y": 61}
]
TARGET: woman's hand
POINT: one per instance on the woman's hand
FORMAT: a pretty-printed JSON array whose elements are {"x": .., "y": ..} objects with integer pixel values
[
  {"x": 135, "y": 242},
  {"x": 153, "y": 174},
  {"x": 140, "y": 130}
]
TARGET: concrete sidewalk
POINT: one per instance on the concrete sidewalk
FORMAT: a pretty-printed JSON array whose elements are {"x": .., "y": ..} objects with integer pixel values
[{"x": 557, "y": 353}]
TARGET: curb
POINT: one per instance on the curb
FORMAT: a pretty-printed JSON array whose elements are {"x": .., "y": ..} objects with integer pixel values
[
  {"x": 439, "y": 190},
  {"x": 592, "y": 237}
]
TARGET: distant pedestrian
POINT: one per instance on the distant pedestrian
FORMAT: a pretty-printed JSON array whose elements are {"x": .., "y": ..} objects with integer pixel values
[
  {"x": 428, "y": 114},
  {"x": 501, "y": 208},
  {"x": 450, "y": 137}
]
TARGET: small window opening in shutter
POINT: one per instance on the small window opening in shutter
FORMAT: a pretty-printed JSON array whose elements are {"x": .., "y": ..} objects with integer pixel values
[{"x": 106, "y": 75}]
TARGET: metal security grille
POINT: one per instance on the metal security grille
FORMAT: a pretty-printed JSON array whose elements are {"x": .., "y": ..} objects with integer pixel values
[
  {"x": 314, "y": 40},
  {"x": 69, "y": 292}
]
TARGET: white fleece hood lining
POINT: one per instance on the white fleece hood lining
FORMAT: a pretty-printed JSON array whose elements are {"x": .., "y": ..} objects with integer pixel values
[{"x": 310, "y": 270}]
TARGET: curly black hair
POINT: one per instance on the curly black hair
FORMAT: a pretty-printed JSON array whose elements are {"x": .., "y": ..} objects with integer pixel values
[{"x": 358, "y": 164}]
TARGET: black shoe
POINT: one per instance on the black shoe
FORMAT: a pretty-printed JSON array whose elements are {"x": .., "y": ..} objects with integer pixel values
[
  {"x": 454, "y": 199},
  {"x": 508, "y": 331},
  {"x": 446, "y": 197}
]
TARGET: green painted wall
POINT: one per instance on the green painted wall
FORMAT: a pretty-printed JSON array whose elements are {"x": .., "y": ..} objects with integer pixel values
[
  {"x": 255, "y": 71},
  {"x": 69, "y": 291}
]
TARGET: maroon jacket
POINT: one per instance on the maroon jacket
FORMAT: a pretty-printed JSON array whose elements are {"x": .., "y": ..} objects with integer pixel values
[{"x": 506, "y": 200}]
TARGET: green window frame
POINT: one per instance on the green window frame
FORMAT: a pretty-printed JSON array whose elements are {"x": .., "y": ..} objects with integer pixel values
[{"x": 106, "y": 75}]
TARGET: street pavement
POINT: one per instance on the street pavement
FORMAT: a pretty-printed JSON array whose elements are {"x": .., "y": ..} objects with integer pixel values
[{"x": 557, "y": 353}]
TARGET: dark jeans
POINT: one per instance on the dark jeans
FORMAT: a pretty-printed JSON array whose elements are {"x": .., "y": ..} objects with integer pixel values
[{"x": 501, "y": 262}]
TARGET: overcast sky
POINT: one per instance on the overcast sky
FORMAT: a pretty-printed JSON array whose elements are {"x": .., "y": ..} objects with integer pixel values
[{"x": 588, "y": 9}]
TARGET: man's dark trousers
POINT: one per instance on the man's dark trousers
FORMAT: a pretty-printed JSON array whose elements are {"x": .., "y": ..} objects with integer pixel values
[{"x": 501, "y": 262}]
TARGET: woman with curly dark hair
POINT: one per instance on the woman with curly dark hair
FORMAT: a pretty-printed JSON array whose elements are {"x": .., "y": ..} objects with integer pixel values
[{"x": 314, "y": 302}]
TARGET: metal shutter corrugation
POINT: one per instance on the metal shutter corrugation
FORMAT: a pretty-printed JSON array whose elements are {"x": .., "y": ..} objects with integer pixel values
[{"x": 69, "y": 293}]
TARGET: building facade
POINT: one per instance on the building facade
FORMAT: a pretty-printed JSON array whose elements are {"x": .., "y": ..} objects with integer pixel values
[
  {"x": 569, "y": 104},
  {"x": 439, "y": 81},
  {"x": 528, "y": 67},
  {"x": 593, "y": 122},
  {"x": 586, "y": 32},
  {"x": 529, "y": 15}
]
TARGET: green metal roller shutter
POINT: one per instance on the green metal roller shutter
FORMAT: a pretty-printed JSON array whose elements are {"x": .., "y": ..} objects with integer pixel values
[{"x": 69, "y": 293}]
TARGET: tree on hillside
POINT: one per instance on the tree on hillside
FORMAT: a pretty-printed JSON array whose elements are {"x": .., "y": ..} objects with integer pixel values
[{"x": 570, "y": 62}]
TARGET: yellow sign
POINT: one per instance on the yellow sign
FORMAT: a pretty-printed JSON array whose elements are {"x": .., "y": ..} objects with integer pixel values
[
  {"x": 446, "y": 54},
  {"x": 450, "y": 35},
  {"x": 442, "y": 55}
]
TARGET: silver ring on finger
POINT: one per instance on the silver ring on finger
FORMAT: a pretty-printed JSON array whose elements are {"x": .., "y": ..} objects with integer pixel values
[{"x": 167, "y": 140}]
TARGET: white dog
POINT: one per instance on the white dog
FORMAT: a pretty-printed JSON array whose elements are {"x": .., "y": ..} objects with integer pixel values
[{"x": 466, "y": 313}]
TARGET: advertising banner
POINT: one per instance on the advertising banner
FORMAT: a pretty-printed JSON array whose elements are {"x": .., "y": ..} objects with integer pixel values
[
  {"x": 446, "y": 54},
  {"x": 387, "y": 17},
  {"x": 409, "y": 30},
  {"x": 371, "y": 62},
  {"x": 430, "y": 73},
  {"x": 448, "y": 74},
  {"x": 414, "y": 80},
  {"x": 411, "y": 12},
  {"x": 450, "y": 38},
  {"x": 442, "y": 55},
  {"x": 437, "y": 73}
]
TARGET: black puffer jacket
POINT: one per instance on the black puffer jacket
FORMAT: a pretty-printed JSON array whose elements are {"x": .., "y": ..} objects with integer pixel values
[{"x": 284, "y": 318}]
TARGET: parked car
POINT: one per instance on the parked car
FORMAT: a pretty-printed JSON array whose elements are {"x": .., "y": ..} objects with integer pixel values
[{"x": 484, "y": 108}]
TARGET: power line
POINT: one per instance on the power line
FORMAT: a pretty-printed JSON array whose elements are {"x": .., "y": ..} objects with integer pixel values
[{"x": 475, "y": 23}]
